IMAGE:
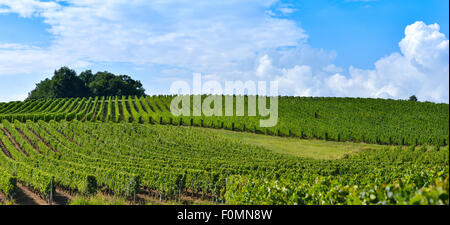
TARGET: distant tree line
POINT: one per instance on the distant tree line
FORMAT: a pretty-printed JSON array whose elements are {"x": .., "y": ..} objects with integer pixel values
[{"x": 65, "y": 83}]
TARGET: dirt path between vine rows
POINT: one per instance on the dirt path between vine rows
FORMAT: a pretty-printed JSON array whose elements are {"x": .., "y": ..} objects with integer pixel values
[
  {"x": 24, "y": 196},
  {"x": 13, "y": 140},
  {"x": 5, "y": 150},
  {"x": 147, "y": 196},
  {"x": 42, "y": 140},
  {"x": 61, "y": 197},
  {"x": 35, "y": 146}
]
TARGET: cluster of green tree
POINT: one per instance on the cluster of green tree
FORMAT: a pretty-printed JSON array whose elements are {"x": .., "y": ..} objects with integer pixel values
[{"x": 66, "y": 83}]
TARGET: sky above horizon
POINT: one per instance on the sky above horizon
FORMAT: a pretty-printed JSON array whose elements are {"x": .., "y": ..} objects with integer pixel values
[{"x": 344, "y": 48}]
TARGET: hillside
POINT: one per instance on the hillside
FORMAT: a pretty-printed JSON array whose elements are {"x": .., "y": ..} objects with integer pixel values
[
  {"x": 171, "y": 162},
  {"x": 376, "y": 121},
  {"x": 124, "y": 149}
]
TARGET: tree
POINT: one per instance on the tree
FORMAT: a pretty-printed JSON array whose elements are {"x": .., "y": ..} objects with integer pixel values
[
  {"x": 108, "y": 84},
  {"x": 413, "y": 98},
  {"x": 65, "y": 83},
  {"x": 87, "y": 77},
  {"x": 42, "y": 90}
]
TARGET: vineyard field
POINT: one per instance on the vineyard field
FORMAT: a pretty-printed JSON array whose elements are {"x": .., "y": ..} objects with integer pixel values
[
  {"x": 376, "y": 121},
  {"x": 322, "y": 151},
  {"x": 168, "y": 162}
]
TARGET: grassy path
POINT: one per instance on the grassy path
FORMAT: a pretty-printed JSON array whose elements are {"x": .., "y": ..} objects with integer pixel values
[{"x": 316, "y": 149}]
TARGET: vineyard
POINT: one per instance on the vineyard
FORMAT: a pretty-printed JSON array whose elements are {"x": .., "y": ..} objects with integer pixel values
[
  {"x": 377, "y": 121},
  {"x": 124, "y": 146}
]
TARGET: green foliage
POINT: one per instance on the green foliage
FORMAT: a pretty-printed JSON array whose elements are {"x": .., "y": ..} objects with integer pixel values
[
  {"x": 413, "y": 98},
  {"x": 124, "y": 158},
  {"x": 7, "y": 183},
  {"x": 91, "y": 185},
  {"x": 412, "y": 183},
  {"x": 376, "y": 121},
  {"x": 108, "y": 84},
  {"x": 65, "y": 84}
]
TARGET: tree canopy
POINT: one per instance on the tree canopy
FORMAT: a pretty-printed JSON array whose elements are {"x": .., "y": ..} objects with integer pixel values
[
  {"x": 66, "y": 83},
  {"x": 413, "y": 98}
]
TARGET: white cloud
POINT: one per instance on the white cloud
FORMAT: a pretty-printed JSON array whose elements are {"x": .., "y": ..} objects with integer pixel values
[
  {"x": 421, "y": 68},
  {"x": 23, "y": 59},
  {"x": 265, "y": 67},
  {"x": 202, "y": 36},
  {"x": 424, "y": 46},
  {"x": 331, "y": 68},
  {"x": 301, "y": 80},
  {"x": 287, "y": 10},
  {"x": 27, "y": 8},
  {"x": 14, "y": 46}
]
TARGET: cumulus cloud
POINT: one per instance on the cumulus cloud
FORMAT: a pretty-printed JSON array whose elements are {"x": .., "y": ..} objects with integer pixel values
[
  {"x": 424, "y": 46},
  {"x": 421, "y": 68},
  {"x": 265, "y": 67},
  {"x": 301, "y": 80}
]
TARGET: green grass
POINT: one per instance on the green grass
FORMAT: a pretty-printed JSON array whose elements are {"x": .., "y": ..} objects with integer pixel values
[
  {"x": 9, "y": 202},
  {"x": 99, "y": 199},
  {"x": 104, "y": 199},
  {"x": 176, "y": 202},
  {"x": 316, "y": 149}
]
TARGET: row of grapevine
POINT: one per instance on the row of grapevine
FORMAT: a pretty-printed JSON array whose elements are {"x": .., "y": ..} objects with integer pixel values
[
  {"x": 378, "y": 121},
  {"x": 325, "y": 191},
  {"x": 7, "y": 183},
  {"x": 171, "y": 160}
]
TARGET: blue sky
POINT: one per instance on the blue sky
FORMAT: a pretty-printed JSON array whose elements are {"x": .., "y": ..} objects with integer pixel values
[
  {"x": 379, "y": 48},
  {"x": 363, "y": 31}
]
